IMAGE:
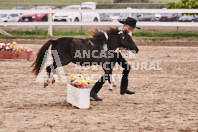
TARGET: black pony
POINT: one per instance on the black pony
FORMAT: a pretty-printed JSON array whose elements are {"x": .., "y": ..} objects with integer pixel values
[{"x": 92, "y": 51}]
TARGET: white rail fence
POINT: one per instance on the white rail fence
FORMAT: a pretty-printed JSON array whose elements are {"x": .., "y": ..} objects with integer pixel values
[{"x": 50, "y": 23}]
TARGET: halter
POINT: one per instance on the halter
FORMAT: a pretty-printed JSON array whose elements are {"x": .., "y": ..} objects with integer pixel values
[
  {"x": 125, "y": 43},
  {"x": 105, "y": 33},
  {"x": 127, "y": 47}
]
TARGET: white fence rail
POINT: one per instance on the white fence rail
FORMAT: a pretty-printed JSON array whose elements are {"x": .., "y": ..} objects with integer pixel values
[{"x": 128, "y": 10}]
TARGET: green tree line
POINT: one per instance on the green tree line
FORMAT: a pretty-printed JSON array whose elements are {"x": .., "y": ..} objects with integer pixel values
[{"x": 183, "y": 4}]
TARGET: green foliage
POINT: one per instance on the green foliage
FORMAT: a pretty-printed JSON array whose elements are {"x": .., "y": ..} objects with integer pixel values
[
  {"x": 163, "y": 1},
  {"x": 183, "y": 4},
  {"x": 26, "y": 34},
  {"x": 149, "y": 35},
  {"x": 154, "y": 35}
]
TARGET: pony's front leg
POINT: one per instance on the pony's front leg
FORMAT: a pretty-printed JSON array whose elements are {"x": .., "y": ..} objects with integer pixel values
[
  {"x": 55, "y": 78},
  {"x": 47, "y": 83}
]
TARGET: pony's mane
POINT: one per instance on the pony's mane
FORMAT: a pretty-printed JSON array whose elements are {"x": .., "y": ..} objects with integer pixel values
[{"x": 98, "y": 32}]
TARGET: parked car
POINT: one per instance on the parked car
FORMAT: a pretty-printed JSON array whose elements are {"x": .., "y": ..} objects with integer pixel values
[
  {"x": 124, "y": 16},
  {"x": 19, "y": 8},
  {"x": 76, "y": 16},
  {"x": 13, "y": 17},
  {"x": 36, "y": 17},
  {"x": 146, "y": 17},
  {"x": 114, "y": 16},
  {"x": 196, "y": 19},
  {"x": 104, "y": 17},
  {"x": 188, "y": 18},
  {"x": 166, "y": 17},
  {"x": 169, "y": 17},
  {"x": 157, "y": 17}
]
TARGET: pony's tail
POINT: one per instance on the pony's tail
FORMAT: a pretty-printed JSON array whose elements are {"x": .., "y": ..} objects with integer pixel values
[{"x": 40, "y": 56}]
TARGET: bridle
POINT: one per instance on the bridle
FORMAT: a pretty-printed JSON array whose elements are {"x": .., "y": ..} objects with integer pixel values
[{"x": 125, "y": 43}]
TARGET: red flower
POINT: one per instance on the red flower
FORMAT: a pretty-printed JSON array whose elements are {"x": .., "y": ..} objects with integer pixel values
[
  {"x": 80, "y": 85},
  {"x": 4, "y": 47},
  {"x": 76, "y": 84}
]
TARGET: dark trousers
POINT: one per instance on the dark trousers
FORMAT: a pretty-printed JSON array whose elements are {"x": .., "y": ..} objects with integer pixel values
[{"x": 124, "y": 81}]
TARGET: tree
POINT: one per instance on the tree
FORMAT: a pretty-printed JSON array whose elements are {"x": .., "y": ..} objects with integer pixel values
[{"x": 183, "y": 4}]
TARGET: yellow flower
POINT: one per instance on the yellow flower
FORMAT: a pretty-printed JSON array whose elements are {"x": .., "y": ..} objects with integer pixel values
[
  {"x": 82, "y": 81},
  {"x": 72, "y": 77},
  {"x": 88, "y": 80},
  {"x": 14, "y": 44},
  {"x": 80, "y": 75},
  {"x": 10, "y": 46},
  {"x": 17, "y": 48}
]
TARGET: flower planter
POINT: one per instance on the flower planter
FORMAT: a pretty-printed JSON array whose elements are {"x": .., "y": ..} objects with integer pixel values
[
  {"x": 30, "y": 56},
  {"x": 17, "y": 55},
  {"x": 78, "y": 97}
]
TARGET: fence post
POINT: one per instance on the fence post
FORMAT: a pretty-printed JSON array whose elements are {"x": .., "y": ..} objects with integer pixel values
[
  {"x": 81, "y": 27},
  {"x": 50, "y": 24},
  {"x": 129, "y": 11},
  {"x": 129, "y": 15}
]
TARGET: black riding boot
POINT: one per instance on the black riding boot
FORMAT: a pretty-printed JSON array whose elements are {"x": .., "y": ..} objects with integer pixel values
[{"x": 96, "y": 88}]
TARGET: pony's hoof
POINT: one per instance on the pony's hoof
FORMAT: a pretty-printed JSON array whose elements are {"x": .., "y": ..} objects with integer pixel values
[
  {"x": 45, "y": 85},
  {"x": 53, "y": 81}
]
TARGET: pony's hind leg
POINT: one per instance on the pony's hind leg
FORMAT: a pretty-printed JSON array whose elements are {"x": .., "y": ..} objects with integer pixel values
[
  {"x": 110, "y": 82},
  {"x": 55, "y": 77},
  {"x": 108, "y": 74},
  {"x": 113, "y": 81},
  {"x": 48, "y": 69}
]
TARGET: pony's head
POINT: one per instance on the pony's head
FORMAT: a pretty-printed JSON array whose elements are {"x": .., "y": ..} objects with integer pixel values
[
  {"x": 122, "y": 38},
  {"x": 127, "y": 42}
]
